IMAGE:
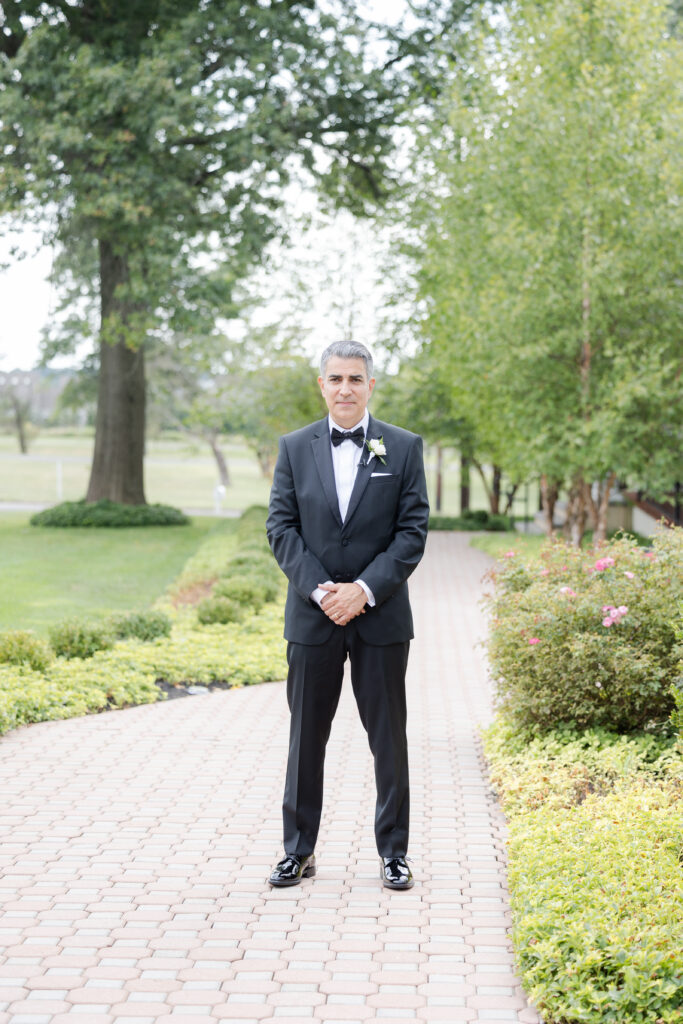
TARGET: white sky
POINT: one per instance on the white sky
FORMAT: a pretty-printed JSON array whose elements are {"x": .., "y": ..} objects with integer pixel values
[{"x": 27, "y": 300}]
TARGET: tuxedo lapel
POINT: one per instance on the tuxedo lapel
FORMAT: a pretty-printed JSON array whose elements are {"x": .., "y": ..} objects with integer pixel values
[
  {"x": 363, "y": 474},
  {"x": 322, "y": 453}
]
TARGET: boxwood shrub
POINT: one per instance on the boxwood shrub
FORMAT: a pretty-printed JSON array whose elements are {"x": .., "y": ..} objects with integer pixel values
[
  {"x": 78, "y": 638},
  {"x": 21, "y": 647},
  {"x": 244, "y": 590},
  {"x": 479, "y": 519},
  {"x": 108, "y": 513},
  {"x": 145, "y": 625},
  {"x": 588, "y": 638},
  {"x": 219, "y": 609}
]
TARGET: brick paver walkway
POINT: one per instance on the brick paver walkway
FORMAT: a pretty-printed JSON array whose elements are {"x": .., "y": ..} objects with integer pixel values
[{"x": 135, "y": 847}]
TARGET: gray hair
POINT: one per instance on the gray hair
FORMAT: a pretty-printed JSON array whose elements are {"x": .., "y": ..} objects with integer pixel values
[{"x": 346, "y": 350}]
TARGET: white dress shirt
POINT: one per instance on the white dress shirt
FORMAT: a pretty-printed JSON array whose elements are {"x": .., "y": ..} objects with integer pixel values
[{"x": 345, "y": 459}]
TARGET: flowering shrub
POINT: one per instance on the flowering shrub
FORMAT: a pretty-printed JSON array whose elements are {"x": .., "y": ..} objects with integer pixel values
[{"x": 588, "y": 639}]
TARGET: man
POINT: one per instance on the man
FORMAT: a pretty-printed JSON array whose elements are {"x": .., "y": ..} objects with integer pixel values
[{"x": 347, "y": 524}]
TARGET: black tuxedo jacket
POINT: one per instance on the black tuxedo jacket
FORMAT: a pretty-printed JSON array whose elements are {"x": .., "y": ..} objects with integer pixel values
[{"x": 381, "y": 540}]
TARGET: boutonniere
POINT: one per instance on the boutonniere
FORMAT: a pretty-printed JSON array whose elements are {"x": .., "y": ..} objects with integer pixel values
[{"x": 376, "y": 447}]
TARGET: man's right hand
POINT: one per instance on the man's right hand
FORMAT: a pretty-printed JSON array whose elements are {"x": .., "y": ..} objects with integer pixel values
[{"x": 344, "y": 602}]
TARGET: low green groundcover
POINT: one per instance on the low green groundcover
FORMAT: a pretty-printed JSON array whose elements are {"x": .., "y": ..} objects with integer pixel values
[
  {"x": 595, "y": 872},
  {"x": 108, "y": 513},
  {"x": 119, "y": 661}
]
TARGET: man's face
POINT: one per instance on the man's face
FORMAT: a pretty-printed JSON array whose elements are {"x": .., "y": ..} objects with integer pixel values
[{"x": 346, "y": 390}]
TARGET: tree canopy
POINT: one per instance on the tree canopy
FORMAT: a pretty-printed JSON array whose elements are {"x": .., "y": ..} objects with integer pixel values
[
  {"x": 549, "y": 257},
  {"x": 157, "y": 138}
]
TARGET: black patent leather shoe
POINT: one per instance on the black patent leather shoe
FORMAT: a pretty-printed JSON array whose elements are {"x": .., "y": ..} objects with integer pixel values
[
  {"x": 291, "y": 869},
  {"x": 395, "y": 873}
]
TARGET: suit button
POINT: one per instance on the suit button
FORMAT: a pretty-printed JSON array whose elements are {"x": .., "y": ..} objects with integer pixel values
[{"x": 345, "y": 541}]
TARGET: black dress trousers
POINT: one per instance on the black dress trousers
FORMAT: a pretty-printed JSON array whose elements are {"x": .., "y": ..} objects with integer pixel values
[{"x": 313, "y": 688}]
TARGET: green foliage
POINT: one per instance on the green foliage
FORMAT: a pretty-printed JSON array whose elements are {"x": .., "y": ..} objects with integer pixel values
[
  {"x": 244, "y": 591},
  {"x": 69, "y": 688},
  {"x": 273, "y": 399},
  {"x": 548, "y": 262},
  {"x": 219, "y": 609},
  {"x": 594, "y": 872},
  {"x": 94, "y": 673},
  {"x": 471, "y": 520},
  {"x": 587, "y": 638},
  {"x": 144, "y": 625},
  {"x": 677, "y": 686},
  {"x": 108, "y": 514},
  {"x": 561, "y": 768},
  {"x": 170, "y": 134},
  {"x": 81, "y": 639},
  {"x": 238, "y": 653},
  {"x": 19, "y": 647}
]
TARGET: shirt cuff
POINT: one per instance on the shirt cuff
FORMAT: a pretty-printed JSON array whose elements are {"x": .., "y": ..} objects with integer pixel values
[
  {"x": 368, "y": 593},
  {"x": 318, "y": 594}
]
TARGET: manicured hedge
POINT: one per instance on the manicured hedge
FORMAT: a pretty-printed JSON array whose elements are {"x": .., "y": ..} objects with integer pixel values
[
  {"x": 478, "y": 519},
  {"x": 108, "y": 513},
  {"x": 21, "y": 647},
  {"x": 588, "y": 638},
  {"x": 595, "y": 822}
]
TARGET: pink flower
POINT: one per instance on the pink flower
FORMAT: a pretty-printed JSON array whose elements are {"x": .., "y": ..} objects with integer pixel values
[
  {"x": 545, "y": 572},
  {"x": 608, "y": 621},
  {"x": 622, "y": 609},
  {"x": 534, "y": 640},
  {"x": 629, "y": 575},
  {"x": 509, "y": 554},
  {"x": 649, "y": 554},
  {"x": 614, "y": 613},
  {"x": 607, "y": 608},
  {"x": 568, "y": 591},
  {"x": 604, "y": 563}
]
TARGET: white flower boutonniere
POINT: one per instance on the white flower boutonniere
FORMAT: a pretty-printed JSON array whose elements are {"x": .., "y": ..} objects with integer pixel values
[{"x": 376, "y": 447}]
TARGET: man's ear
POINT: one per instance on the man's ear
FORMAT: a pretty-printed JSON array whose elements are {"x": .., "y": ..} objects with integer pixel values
[{"x": 371, "y": 384}]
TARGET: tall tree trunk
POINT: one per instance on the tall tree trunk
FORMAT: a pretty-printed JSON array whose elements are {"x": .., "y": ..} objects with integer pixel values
[
  {"x": 464, "y": 483},
  {"x": 20, "y": 410},
  {"x": 599, "y": 508},
  {"x": 266, "y": 460},
  {"x": 495, "y": 490},
  {"x": 487, "y": 486},
  {"x": 223, "y": 471},
  {"x": 439, "y": 476},
  {"x": 575, "y": 525},
  {"x": 550, "y": 490},
  {"x": 509, "y": 499},
  {"x": 117, "y": 467}
]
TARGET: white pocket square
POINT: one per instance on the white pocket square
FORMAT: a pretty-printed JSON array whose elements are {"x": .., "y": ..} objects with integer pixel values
[{"x": 381, "y": 474}]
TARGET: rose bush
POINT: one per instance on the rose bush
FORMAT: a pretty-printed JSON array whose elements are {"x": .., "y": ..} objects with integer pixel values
[{"x": 586, "y": 638}]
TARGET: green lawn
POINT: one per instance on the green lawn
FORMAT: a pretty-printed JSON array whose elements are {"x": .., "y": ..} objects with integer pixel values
[
  {"x": 49, "y": 574},
  {"x": 496, "y": 544}
]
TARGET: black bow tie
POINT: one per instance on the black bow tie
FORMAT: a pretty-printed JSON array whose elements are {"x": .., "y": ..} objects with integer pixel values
[{"x": 357, "y": 436}]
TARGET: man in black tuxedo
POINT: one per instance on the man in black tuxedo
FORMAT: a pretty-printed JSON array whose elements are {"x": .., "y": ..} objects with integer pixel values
[{"x": 347, "y": 524}]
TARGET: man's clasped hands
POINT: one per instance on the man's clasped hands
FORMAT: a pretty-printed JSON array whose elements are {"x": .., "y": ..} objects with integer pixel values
[{"x": 344, "y": 602}]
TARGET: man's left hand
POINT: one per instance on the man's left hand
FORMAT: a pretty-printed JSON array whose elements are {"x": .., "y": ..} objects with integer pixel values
[{"x": 345, "y": 601}]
